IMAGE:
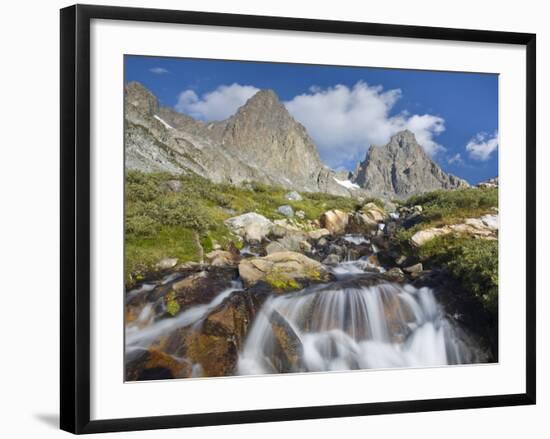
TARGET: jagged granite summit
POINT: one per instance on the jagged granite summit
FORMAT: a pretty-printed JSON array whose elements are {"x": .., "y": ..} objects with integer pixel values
[
  {"x": 260, "y": 142},
  {"x": 401, "y": 169}
]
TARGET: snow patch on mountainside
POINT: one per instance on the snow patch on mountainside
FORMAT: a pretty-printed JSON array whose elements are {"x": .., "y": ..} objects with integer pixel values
[
  {"x": 346, "y": 183},
  {"x": 163, "y": 122}
]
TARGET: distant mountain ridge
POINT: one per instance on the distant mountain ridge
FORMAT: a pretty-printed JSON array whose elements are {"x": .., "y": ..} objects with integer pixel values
[
  {"x": 262, "y": 142},
  {"x": 402, "y": 168}
]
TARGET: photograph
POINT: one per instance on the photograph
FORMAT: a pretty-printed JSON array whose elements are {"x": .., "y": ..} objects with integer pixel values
[{"x": 300, "y": 218}]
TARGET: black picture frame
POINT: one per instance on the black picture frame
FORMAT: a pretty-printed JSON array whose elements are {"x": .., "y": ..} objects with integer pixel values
[{"x": 75, "y": 217}]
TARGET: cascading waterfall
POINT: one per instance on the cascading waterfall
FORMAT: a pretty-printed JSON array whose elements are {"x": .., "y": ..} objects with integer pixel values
[
  {"x": 360, "y": 320},
  {"x": 355, "y": 327}
]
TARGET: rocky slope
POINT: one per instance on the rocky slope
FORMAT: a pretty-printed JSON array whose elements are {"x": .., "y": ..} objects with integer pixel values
[
  {"x": 239, "y": 313},
  {"x": 261, "y": 143},
  {"x": 401, "y": 169}
]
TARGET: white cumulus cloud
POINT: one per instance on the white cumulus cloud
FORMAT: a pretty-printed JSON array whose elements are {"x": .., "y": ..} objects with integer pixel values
[
  {"x": 457, "y": 158},
  {"x": 158, "y": 70},
  {"x": 482, "y": 146},
  {"x": 218, "y": 104},
  {"x": 344, "y": 121}
]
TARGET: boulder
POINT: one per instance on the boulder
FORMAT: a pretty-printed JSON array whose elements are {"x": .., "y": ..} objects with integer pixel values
[
  {"x": 293, "y": 196},
  {"x": 286, "y": 210},
  {"x": 335, "y": 221},
  {"x": 166, "y": 263},
  {"x": 251, "y": 226},
  {"x": 416, "y": 268},
  {"x": 318, "y": 234},
  {"x": 294, "y": 242},
  {"x": 282, "y": 227},
  {"x": 222, "y": 258},
  {"x": 174, "y": 185},
  {"x": 362, "y": 223},
  {"x": 485, "y": 227},
  {"x": 423, "y": 236},
  {"x": 300, "y": 214},
  {"x": 374, "y": 212},
  {"x": 490, "y": 221},
  {"x": 282, "y": 270}
]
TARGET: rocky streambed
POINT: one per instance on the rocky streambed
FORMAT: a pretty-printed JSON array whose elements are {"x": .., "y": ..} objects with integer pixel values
[{"x": 335, "y": 297}]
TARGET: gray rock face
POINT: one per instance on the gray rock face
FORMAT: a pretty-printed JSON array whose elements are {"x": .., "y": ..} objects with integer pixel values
[
  {"x": 401, "y": 169},
  {"x": 260, "y": 142},
  {"x": 286, "y": 210},
  {"x": 293, "y": 196}
]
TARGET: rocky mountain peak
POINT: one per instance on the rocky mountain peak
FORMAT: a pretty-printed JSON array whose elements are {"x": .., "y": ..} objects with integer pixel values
[
  {"x": 141, "y": 99},
  {"x": 265, "y": 108},
  {"x": 402, "y": 168},
  {"x": 263, "y": 131}
]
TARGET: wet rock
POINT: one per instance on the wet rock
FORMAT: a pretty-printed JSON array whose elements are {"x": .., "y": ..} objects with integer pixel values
[
  {"x": 322, "y": 242},
  {"x": 283, "y": 270},
  {"x": 152, "y": 364},
  {"x": 286, "y": 210},
  {"x": 287, "y": 347},
  {"x": 253, "y": 227},
  {"x": 202, "y": 287},
  {"x": 412, "y": 220},
  {"x": 337, "y": 249},
  {"x": 214, "y": 344},
  {"x": 395, "y": 274},
  {"x": 335, "y": 221},
  {"x": 221, "y": 258},
  {"x": 373, "y": 260},
  {"x": 293, "y": 196}
]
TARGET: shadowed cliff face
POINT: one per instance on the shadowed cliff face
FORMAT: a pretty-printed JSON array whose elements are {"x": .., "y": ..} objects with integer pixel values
[
  {"x": 401, "y": 169},
  {"x": 262, "y": 142}
]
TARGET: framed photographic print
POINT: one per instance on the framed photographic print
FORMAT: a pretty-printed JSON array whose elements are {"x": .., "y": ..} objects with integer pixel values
[{"x": 284, "y": 218}]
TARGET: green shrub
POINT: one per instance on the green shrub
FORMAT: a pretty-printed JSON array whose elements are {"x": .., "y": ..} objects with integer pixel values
[
  {"x": 446, "y": 207},
  {"x": 172, "y": 305},
  {"x": 473, "y": 262},
  {"x": 141, "y": 225}
]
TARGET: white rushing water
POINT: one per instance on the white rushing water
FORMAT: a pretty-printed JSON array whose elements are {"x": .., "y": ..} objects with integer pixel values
[
  {"x": 139, "y": 336},
  {"x": 355, "y": 327}
]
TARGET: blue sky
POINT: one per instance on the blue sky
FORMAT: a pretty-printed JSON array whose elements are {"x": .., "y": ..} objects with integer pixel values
[{"x": 345, "y": 109}]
